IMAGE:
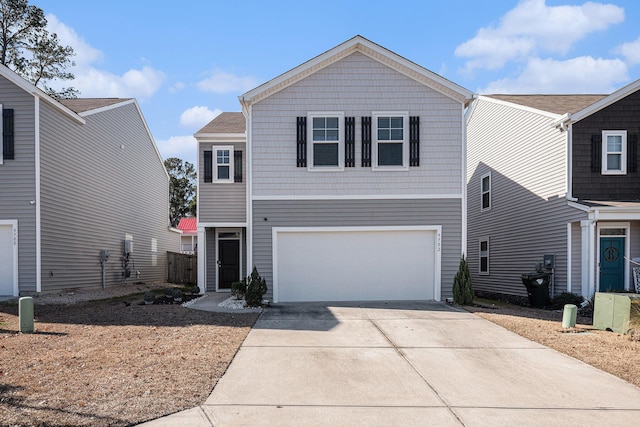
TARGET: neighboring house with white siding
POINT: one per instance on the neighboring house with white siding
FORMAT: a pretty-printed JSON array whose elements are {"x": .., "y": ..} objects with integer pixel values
[
  {"x": 342, "y": 179},
  {"x": 78, "y": 176},
  {"x": 554, "y": 175}
]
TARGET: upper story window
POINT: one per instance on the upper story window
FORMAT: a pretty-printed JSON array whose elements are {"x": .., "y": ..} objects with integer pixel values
[
  {"x": 222, "y": 164},
  {"x": 614, "y": 152},
  {"x": 485, "y": 191},
  {"x": 326, "y": 133},
  {"x": 390, "y": 140},
  {"x": 223, "y": 158}
]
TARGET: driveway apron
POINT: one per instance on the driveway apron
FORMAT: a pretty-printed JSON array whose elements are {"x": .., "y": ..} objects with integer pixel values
[{"x": 411, "y": 363}]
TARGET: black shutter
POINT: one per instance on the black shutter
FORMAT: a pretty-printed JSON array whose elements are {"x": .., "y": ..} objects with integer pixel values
[
  {"x": 596, "y": 152},
  {"x": 7, "y": 134},
  {"x": 301, "y": 145},
  {"x": 366, "y": 142},
  {"x": 208, "y": 166},
  {"x": 237, "y": 166},
  {"x": 414, "y": 141},
  {"x": 632, "y": 153},
  {"x": 349, "y": 142}
]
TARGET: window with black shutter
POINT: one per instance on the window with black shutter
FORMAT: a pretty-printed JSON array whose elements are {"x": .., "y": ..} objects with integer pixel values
[
  {"x": 596, "y": 152},
  {"x": 237, "y": 163},
  {"x": 208, "y": 166},
  {"x": 414, "y": 141},
  {"x": 301, "y": 142},
  {"x": 349, "y": 142},
  {"x": 8, "y": 152},
  {"x": 632, "y": 153},
  {"x": 366, "y": 142}
]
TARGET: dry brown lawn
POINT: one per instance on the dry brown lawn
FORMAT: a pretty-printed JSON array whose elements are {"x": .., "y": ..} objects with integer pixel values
[
  {"x": 112, "y": 363},
  {"x": 118, "y": 363}
]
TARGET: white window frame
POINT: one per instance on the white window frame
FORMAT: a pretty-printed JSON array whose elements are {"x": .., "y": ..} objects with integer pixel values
[
  {"x": 480, "y": 256},
  {"x": 622, "y": 153},
  {"x": 483, "y": 192},
  {"x": 405, "y": 140},
  {"x": 215, "y": 163},
  {"x": 311, "y": 142}
]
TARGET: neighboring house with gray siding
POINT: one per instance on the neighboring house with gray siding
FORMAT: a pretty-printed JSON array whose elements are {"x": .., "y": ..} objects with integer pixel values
[
  {"x": 342, "y": 179},
  {"x": 554, "y": 175},
  {"x": 78, "y": 176}
]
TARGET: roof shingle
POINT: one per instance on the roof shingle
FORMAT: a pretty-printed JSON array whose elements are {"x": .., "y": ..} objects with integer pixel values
[
  {"x": 80, "y": 105},
  {"x": 226, "y": 123},
  {"x": 558, "y": 104}
]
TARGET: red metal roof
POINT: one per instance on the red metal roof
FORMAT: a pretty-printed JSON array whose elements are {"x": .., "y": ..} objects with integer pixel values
[{"x": 188, "y": 225}]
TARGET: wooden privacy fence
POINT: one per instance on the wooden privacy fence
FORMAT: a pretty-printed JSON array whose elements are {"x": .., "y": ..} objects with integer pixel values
[{"x": 183, "y": 268}]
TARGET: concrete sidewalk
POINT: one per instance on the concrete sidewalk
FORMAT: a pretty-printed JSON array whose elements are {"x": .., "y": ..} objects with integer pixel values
[{"x": 414, "y": 363}]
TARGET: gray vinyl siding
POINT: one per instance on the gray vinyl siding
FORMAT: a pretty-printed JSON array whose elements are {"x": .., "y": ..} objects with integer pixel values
[
  {"x": 17, "y": 181},
  {"x": 336, "y": 213},
  {"x": 222, "y": 202},
  {"x": 101, "y": 181},
  {"x": 357, "y": 86},
  {"x": 526, "y": 157}
]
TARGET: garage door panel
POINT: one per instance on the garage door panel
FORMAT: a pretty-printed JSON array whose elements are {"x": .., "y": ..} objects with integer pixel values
[{"x": 355, "y": 265}]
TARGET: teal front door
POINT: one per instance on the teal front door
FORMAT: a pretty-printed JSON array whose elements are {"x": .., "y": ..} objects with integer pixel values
[{"x": 611, "y": 264}]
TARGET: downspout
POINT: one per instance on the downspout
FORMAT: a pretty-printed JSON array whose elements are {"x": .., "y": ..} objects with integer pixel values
[
  {"x": 468, "y": 105},
  {"x": 38, "y": 198},
  {"x": 246, "y": 109}
]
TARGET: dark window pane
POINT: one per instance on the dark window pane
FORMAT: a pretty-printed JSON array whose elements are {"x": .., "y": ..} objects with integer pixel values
[
  {"x": 390, "y": 154},
  {"x": 383, "y": 122},
  {"x": 318, "y": 123},
  {"x": 485, "y": 200},
  {"x": 332, "y": 135},
  {"x": 223, "y": 172},
  {"x": 318, "y": 135},
  {"x": 396, "y": 134},
  {"x": 396, "y": 122},
  {"x": 484, "y": 264},
  {"x": 325, "y": 154},
  {"x": 485, "y": 183},
  {"x": 484, "y": 245},
  {"x": 332, "y": 122},
  {"x": 383, "y": 134}
]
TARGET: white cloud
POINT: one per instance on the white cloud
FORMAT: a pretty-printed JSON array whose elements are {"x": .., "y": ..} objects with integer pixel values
[
  {"x": 196, "y": 117},
  {"x": 577, "y": 75},
  {"x": 223, "y": 82},
  {"x": 93, "y": 82},
  {"x": 532, "y": 28},
  {"x": 630, "y": 51},
  {"x": 182, "y": 147},
  {"x": 177, "y": 87}
]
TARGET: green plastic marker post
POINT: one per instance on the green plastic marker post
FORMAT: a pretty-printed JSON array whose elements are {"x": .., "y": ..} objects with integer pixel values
[
  {"x": 569, "y": 316},
  {"x": 25, "y": 314}
]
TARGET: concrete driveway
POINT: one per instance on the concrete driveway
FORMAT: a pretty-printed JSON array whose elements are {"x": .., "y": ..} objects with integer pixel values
[{"x": 414, "y": 363}]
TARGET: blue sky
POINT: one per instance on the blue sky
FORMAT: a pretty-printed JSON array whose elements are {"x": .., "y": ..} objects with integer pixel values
[{"x": 186, "y": 61}]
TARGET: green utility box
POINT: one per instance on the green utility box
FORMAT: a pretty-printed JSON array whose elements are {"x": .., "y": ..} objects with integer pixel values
[{"x": 616, "y": 312}]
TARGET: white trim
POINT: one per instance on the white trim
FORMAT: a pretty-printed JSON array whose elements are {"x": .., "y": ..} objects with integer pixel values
[
  {"x": 463, "y": 184},
  {"x": 627, "y": 248},
  {"x": 437, "y": 284},
  {"x": 361, "y": 197},
  {"x": 217, "y": 254},
  {"x": 586, "y": 260},
  {"x": 203, "y": 225},
  {"x": 202, "y": 257},
  {"x": 405, "y": 140},
  {"x": 215, "y": 164},
  {"x": 38, "y": 198},
  {"x": 482, "y": 192},
  {"x": 569, "y": 160},
  {"x": 578, "y": 206},
  {"x": 210, "y": 137},
  {"x": 623, "y": 153},
  {"x": 368, "y": 48},
  {"x": 311, "y": 142},
  {"x": 569, "y": 254},
  {"x": 249, "y": 189},
  {"x": 14, "y": 228}
]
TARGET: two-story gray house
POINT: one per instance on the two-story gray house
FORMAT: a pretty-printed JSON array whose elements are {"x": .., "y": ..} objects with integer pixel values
[
  {"x": 342, "y": 179},
  {"x": 79, "y": 178},
  {"x": 554, "y": 175}
]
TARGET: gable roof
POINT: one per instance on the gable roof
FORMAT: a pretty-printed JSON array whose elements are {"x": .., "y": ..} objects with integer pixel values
[
  {"x": 605, "y": 101},
  {"x": 82, "y": 105},
  {"x": 557, "y": 104},
  {"x": 225, "y": 123},
  {"x": 370, "y": 49},
  {"x": 188, "y": 225}
]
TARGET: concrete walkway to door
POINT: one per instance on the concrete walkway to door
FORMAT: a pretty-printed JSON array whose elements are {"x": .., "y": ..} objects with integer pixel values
[{"x": 400, "y": 364}]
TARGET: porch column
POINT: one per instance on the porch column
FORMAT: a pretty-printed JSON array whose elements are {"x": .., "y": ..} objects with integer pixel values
[
  {"x": 202, "y": 258},
  {"x": 588, "y": 258}
]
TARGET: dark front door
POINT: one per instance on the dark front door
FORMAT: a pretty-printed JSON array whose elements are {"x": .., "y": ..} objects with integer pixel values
[
  {"x": 611, "y": 264},
  {"x": 228, "y": 263}
]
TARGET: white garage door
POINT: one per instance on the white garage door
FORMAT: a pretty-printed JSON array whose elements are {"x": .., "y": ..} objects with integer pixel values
[
  {"x": 8, "y": 259},
  {"x": 353, "y": 263}
]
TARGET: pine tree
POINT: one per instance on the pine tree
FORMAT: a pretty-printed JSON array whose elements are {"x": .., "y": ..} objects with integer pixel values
[{"x": 462, "y": 290}]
